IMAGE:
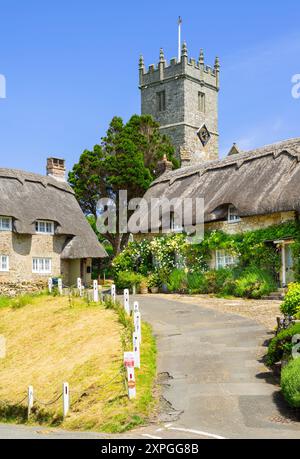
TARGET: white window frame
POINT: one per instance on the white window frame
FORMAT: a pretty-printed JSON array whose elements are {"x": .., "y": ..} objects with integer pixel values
[
  {"x": 225, "y": 259},
  {"x": 5, "y": 259},
  {"x": 44, "y": 227},
  {"x": 8, "y": 220},
  {"x": 39, "y": 265},
  {"x": 174, "y": 227},
  {"x": 233, "y": 216}
]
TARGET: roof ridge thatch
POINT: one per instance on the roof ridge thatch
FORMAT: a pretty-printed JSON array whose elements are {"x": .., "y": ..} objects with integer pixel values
[
  {"x": 292, "y": 146},
  {"x": 45, "y": 180}
]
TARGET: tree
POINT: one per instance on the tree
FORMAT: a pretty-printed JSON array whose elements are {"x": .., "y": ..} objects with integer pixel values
[{"x": 126, "y": 159}]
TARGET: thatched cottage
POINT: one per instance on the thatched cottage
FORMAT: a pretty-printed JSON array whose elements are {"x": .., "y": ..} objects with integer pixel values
[
  {"x": 243, "y": 192},
  {"x": 43, "y": 232}
]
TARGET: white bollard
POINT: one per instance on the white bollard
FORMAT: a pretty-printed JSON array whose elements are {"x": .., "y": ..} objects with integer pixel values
[
  {"x": 126, "y": 302},
  {"x": 30, "y": 400},
  {"x": 136, "y": 307},
  {"x": 129, "y": 364},
  {"x": 50, "y": 284},
  {"x": 66, "y": 399},
  {"x": 79, "y": 286},
  {"x": 95, "y": 291},
  {"x": 136, "y": 350},
  {"x": 60, "y": 286},
  {"x": 113, "y": 292},
  {"x": 138, "y": 325},
  {"x": 131, "y": 383}
]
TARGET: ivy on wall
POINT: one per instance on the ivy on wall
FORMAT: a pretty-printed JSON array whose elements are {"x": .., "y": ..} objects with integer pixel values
[{"x": 253, "y": 248}]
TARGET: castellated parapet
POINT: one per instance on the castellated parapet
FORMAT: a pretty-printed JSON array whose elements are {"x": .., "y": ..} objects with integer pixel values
[{"x": 183, "y": 98}]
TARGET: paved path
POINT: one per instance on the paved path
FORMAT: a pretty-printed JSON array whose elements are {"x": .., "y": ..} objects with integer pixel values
[{"x": 213, "y": 384}]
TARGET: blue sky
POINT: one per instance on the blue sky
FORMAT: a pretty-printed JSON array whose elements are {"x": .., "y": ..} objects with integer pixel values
[{"x": 70, "y": 66}]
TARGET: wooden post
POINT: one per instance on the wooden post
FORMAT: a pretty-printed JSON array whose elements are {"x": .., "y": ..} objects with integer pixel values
[
  {"x": 60, "y": 286},
  {"x": 95, "y": 291},
  {"x": 136, "y": 350},
  {"x": 136, "y": 307},
  {"x": 66, "y": 399},
  {"x": 30, "y": 401},
  {"x": 134, "y": 289},
  {"x": 50, "y": 284},
  {"x": 113, "y": 292},
  {"x": 126, "y": 301}
]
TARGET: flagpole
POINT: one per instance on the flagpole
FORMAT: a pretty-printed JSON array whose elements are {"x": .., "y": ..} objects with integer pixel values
[{"x": 179, "y": 38}]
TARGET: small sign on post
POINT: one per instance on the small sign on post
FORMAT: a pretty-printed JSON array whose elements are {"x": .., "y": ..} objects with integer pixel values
[
  {"x": 126, "y": 302},
  {"x": 138, "y": 325},
  {"x": 66, "y": 399},
  {"x": 95, "y": 291},
  {"x": 136, "y": 350},
  {"x": 50, "y": 284},
  {"x": 129, "y": 364},
  {"x": 30, "y": 400},
  {"x": 60, "y": 286},
  {"x": 113, "y": 292},
  {"x": 79, "y": 286}
]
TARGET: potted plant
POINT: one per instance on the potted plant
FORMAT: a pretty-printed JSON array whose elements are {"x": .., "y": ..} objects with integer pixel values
[
  {"x": 154, "y": 282},
  {"x": 144, "y": 287}
]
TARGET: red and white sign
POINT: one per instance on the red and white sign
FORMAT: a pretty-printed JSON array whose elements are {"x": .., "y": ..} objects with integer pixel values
[{"x": 129, "y": 359}]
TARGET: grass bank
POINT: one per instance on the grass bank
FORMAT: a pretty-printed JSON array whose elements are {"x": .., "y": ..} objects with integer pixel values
[{"x": 55, "y": 339}]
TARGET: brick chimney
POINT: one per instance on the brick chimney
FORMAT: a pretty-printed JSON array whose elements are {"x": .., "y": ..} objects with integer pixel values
[
  {"x": 164, "y": 166},
  {"x": 56, "y": 168}
]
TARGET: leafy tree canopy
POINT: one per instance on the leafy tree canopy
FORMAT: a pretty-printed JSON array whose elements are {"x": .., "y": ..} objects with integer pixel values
[{"x": 126, "y": 159}]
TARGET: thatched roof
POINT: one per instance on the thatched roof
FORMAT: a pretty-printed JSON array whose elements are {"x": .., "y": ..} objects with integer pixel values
[
  {"x": 29, "y": 197},
  {"x": 257, "y": 182}
]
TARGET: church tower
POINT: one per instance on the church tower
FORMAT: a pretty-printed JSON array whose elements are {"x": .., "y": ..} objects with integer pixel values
[{"x": 183, "y": 97}]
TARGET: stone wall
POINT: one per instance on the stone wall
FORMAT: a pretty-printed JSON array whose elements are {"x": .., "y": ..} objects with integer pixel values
[
  {"x": 13, "y": 289},
  {"x": 21, "y": 249},
  {"x": 252, "y": 223}
]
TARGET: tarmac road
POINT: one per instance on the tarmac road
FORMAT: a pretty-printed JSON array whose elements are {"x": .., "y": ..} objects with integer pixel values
[{"x": 213, "y": 382}]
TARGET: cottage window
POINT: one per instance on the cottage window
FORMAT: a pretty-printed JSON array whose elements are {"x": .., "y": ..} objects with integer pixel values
[
  {"x": 5, "y": 224},
  {"x": 41, "y": 265},
  {"x": 225, "y": 259},
  {"x": 4, "y": 263},
  {"x": 175, "y": 223},
  {"x": 44, "y": 227},
  {"x": 161, "y": 101},
  {"x": 233, "y": 215}
]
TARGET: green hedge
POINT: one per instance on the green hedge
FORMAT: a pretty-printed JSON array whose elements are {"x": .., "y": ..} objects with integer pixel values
[
  {"x": 281, "y": 344},
  {"x": 126, "y": 280},
  {"x": 291, "y": 304},
  {"x": 290, "y": 383}
]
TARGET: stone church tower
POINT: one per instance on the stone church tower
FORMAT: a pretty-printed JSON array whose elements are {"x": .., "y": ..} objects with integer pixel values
[{"x": 183, "y": 98}]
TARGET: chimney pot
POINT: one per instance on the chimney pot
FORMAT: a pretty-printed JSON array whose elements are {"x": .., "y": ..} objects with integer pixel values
[{"x": 56, "y": 168}]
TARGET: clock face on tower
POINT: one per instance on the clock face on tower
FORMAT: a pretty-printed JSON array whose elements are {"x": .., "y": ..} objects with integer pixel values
[{"x": 204, "y": 135}]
